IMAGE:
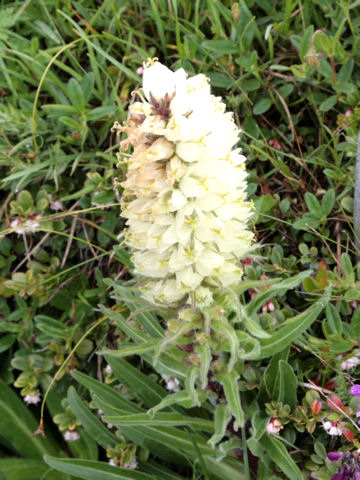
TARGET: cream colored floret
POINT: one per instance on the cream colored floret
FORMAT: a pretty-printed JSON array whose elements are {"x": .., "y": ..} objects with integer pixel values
[{"x": 185, "y": 192}]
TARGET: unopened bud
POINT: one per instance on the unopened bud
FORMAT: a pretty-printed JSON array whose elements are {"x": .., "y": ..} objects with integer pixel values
[
  {"x": 235, "y": 11},
  {"x": 334, "y": 402},
  {"x": 349, "y": 435},
  {"x": 316, "y": 407}
]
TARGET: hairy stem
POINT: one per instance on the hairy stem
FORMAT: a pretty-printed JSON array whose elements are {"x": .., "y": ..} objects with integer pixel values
[{"x": 357, "y": 198}]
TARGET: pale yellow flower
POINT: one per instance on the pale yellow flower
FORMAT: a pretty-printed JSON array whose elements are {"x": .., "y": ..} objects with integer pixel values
[{"x": 185, "y": 192}]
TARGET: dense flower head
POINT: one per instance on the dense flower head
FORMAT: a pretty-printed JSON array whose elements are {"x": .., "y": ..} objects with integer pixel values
[
  {"x": 185, "y": 192},
  {"x": 349, "y": 467}
]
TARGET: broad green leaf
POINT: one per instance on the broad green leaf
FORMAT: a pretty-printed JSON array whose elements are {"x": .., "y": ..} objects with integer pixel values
[
  {"x": 274, "y": 289},
  {"x": 222, "y": 419},
  {"x": 355, "y": 324},
  {"x": 205, "y": 356},
  {"x": 89, "y": 421},
  {"x": 86, "y": 447},
  {"x": 110, "y": 402},
  {"x": 280, "y": 380},
  {"x": 290, "y": 382},
  {"x": 313, "y": 205},
  {"x": 176, "y": 439},
  {"x": 7, "y": 341},
  {"x": 59, "y": 109},
  {"x": 223, "y": 47},
  {"x": 127, "y": 349},
  {"x": 262, "y": 106},
  {"x": 105, "y": 392},
  {"x": 347, "y": 267},
  {"x": 291, "y": 329},
  {"x": 222, "y": 328},
  {"x": 342, "y": 347},
  {"x": 228, "y": 380},
  {"x": 91, "y": 470},
  {"x": 17, "y": 425},
  {"x": 182, "y": 398},
  {"x": 76, "y": 95},
  {"x": 323, "y": 43},
  {"x": 259, "y": 424},
  {"x": 249, "y": 347},
  {"x": 52, "y": 327},
  {"x": 252, "y": 326},
  {"x": 87, "y": 86},
  {"x": 149, "y": 392},
  {"x": 190, "y": 384},
  {"x": 345, "y": 71},
  {"x": 101, "y": 112},
  {"x": 328, "y": 202},
  {"x": 272, "y": 382},
  {"x": 328, "y": 103},
  {"x": 306, "y": 42},
  {"x": 161, "y": 419},
  {"x": 70, "y": 123},
  {"x": 334, "y": 319},
  {"x": 220, "y": 79},
  {"x": 159, "y": 471},
  {"x": 280, "y": 456},
  {"x": 172, "y": 362},
  {"x": 21, "y": 469}
]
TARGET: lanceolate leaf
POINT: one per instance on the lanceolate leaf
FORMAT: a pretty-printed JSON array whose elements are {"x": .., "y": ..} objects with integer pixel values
[
  {"x": 161, "y": 419},
  {"x": 292, "y": 329},
  {"x": 89, "y": 421},
  {"x": 106, "y": 392},
  {"x": 17, "y": 425},
  {"x": 150, "y": 392},
  {"x": 229, "y": 382},
  {"x": 170, "y": 362},
  {"x": 159, "y": 471},
  {"x": 91, "y": 470},
  {"x": 127, "y": 350},
  {"x": 190, "y": 384},
  {"x": 281, "y": 457},
  {"x": 222, "y": 418},
  {"x": 21, "y": 469},
  {"x": 280, "y": 287},
  {"x": 179, "y": 398}
]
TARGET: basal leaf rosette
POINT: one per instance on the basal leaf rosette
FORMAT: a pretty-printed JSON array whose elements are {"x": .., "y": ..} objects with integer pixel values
[{"x": 185, "y": 192}]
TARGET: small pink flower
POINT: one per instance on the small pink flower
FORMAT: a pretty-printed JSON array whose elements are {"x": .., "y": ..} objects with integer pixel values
[
  {"x": 274, "y": 426},
  {"x": 71, "y": 436},
  {"x": 274, "y": 142},
  {"x": 247, "y": 261},
  {"x": 32, "y": 399},
  {"x": 172, "y": 383},
  {"x": 140, "y": 70},
  {"x": 350, "y": 363},
  {"x": 348, "y": 113},
  {"x": 132, "y": 465},
  {"x": 333, "y": 428},
  {"x": 268, "y": 307}
]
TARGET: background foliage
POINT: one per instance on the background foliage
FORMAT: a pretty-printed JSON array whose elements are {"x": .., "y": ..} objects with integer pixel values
[{"x": 290, "y": 72}]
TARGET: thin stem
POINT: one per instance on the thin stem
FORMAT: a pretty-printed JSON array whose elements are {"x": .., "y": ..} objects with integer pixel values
[
  {"x": 357, "y": 198},
  {"x": 60, "y": 370},
  {"x": 245, "y": 455}
]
